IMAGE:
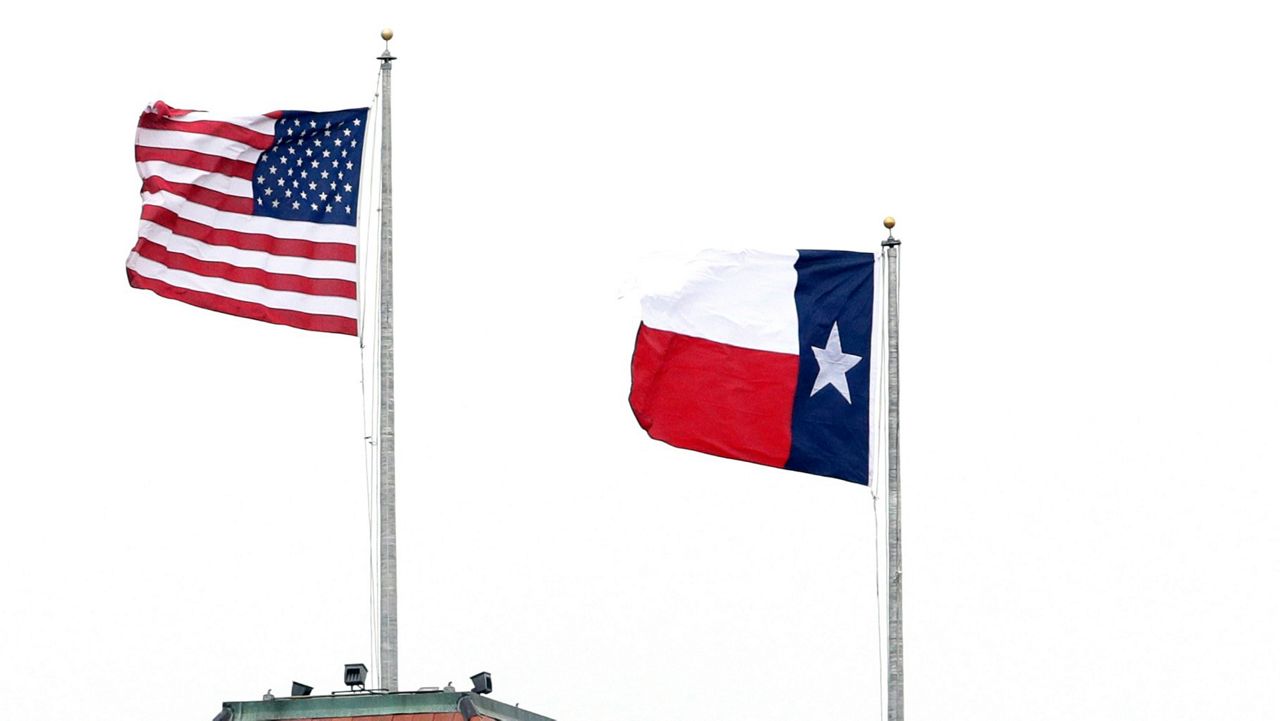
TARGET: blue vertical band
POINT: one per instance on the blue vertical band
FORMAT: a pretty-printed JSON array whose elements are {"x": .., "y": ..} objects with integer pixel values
[{"x": 830, "y": 434}]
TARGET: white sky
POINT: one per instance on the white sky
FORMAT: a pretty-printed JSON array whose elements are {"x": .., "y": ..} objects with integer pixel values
[{"x": 1087, "y": 197}]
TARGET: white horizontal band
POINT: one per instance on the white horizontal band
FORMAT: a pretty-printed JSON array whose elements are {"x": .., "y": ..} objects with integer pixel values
[
  {"x": 194, "y": 176},
  {"x": 279, "y": 299},
  {"x": 199, "y": 142},
  {"x": 241, "y": 223},
  {"x": 744, "y": 298},
  {"x": 281, "y": 264},
  {"x": 256, "y": 123}
]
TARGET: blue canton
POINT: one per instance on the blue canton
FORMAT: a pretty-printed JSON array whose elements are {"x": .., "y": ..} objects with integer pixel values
[{"x": 312, "y": 171}]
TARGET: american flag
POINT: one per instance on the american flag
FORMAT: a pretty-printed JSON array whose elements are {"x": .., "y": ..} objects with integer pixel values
[{"x": 252, "y": 216}]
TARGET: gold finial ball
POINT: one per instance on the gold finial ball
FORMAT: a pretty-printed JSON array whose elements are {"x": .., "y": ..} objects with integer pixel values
[
  {"x": 889, "y": 222},
  {"x": 386, "y": 34}
]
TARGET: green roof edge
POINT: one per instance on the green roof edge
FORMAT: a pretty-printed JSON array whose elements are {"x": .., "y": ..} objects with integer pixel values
[{"x": 372, "y": 704}]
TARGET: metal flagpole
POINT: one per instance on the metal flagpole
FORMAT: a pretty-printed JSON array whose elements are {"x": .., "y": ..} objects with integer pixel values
[
  {"x": 388, "y": 624},
  {"x": 893, "y": 496}
]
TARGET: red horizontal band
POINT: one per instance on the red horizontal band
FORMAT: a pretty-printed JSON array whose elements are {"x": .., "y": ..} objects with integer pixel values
[
  {"x": 254, "y": 276},
  {"x": 162, "y": 109},
  {"x": 248, "y": 241},
  {"x": 713, "y": 397},
  {"x": 192, "y": 159},
  {"x": 256, "y": 311},
  {"x": 219, "y": 128},
  {"x": 203, "y": 196}
]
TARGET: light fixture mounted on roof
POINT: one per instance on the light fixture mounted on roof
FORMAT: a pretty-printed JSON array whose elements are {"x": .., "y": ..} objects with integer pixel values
[
  {"x": 300, "y": 689},
  {"x": 482, "y": 683},
  {"x": 354, "y": 675}
]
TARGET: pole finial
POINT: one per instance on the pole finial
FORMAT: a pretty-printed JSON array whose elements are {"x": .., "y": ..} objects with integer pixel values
[
  {"x": 386, "y": 56},
  {"x": 889, "y": 222}
]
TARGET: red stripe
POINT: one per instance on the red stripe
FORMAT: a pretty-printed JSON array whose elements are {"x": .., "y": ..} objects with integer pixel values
[
  {"x": 255, "y": 276},
  {"x": 162, "y": 108},
  {"x": 197, "y": 194},
  {"x": 713, "y": 397},
  {"x": 248, "y": 241},
  {"x": 257, "y": 311},
  {"x": 192, "y": 159},
  {"x": 219, "y": 128}
]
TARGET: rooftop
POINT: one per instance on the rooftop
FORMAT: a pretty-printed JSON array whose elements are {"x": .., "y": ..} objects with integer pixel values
[{"x": 368, "y": 706}]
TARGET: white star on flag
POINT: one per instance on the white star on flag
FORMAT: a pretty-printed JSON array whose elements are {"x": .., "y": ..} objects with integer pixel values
[{"x": 833, "y": 364}]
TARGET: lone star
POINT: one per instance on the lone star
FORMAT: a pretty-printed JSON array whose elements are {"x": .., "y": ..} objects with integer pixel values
[{"x": 833, "y": 364}]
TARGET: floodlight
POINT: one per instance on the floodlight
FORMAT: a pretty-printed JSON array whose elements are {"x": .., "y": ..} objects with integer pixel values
[
  {"x": 355, "y": 675},
  {"x": 300, "y": 689},
  {"x": 482, "y": 683}
]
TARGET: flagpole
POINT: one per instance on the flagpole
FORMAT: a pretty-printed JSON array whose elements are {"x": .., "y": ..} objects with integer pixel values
[
  {"x": 388, "y": 623},
  {"x": 893, "y": 496}
]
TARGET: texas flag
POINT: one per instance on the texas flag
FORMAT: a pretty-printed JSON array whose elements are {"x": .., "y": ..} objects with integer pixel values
[{"x": 764, "y": 357}]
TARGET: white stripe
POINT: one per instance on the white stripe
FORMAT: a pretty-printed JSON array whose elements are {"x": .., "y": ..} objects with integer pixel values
[
  {"x": 279, "y": 299},
  {"x": 282, "y": 264},
  {"x": 287, "y": 229},
  {"x": 199, "y": 142},
  {"x": 256, "y": 123},
  {"x": 195, "y": 176},
  {"x": 745, "y": 299}
]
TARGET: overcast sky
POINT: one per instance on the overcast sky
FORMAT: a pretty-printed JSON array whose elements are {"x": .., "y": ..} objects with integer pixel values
[{"x": 1087, "y": 197}]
